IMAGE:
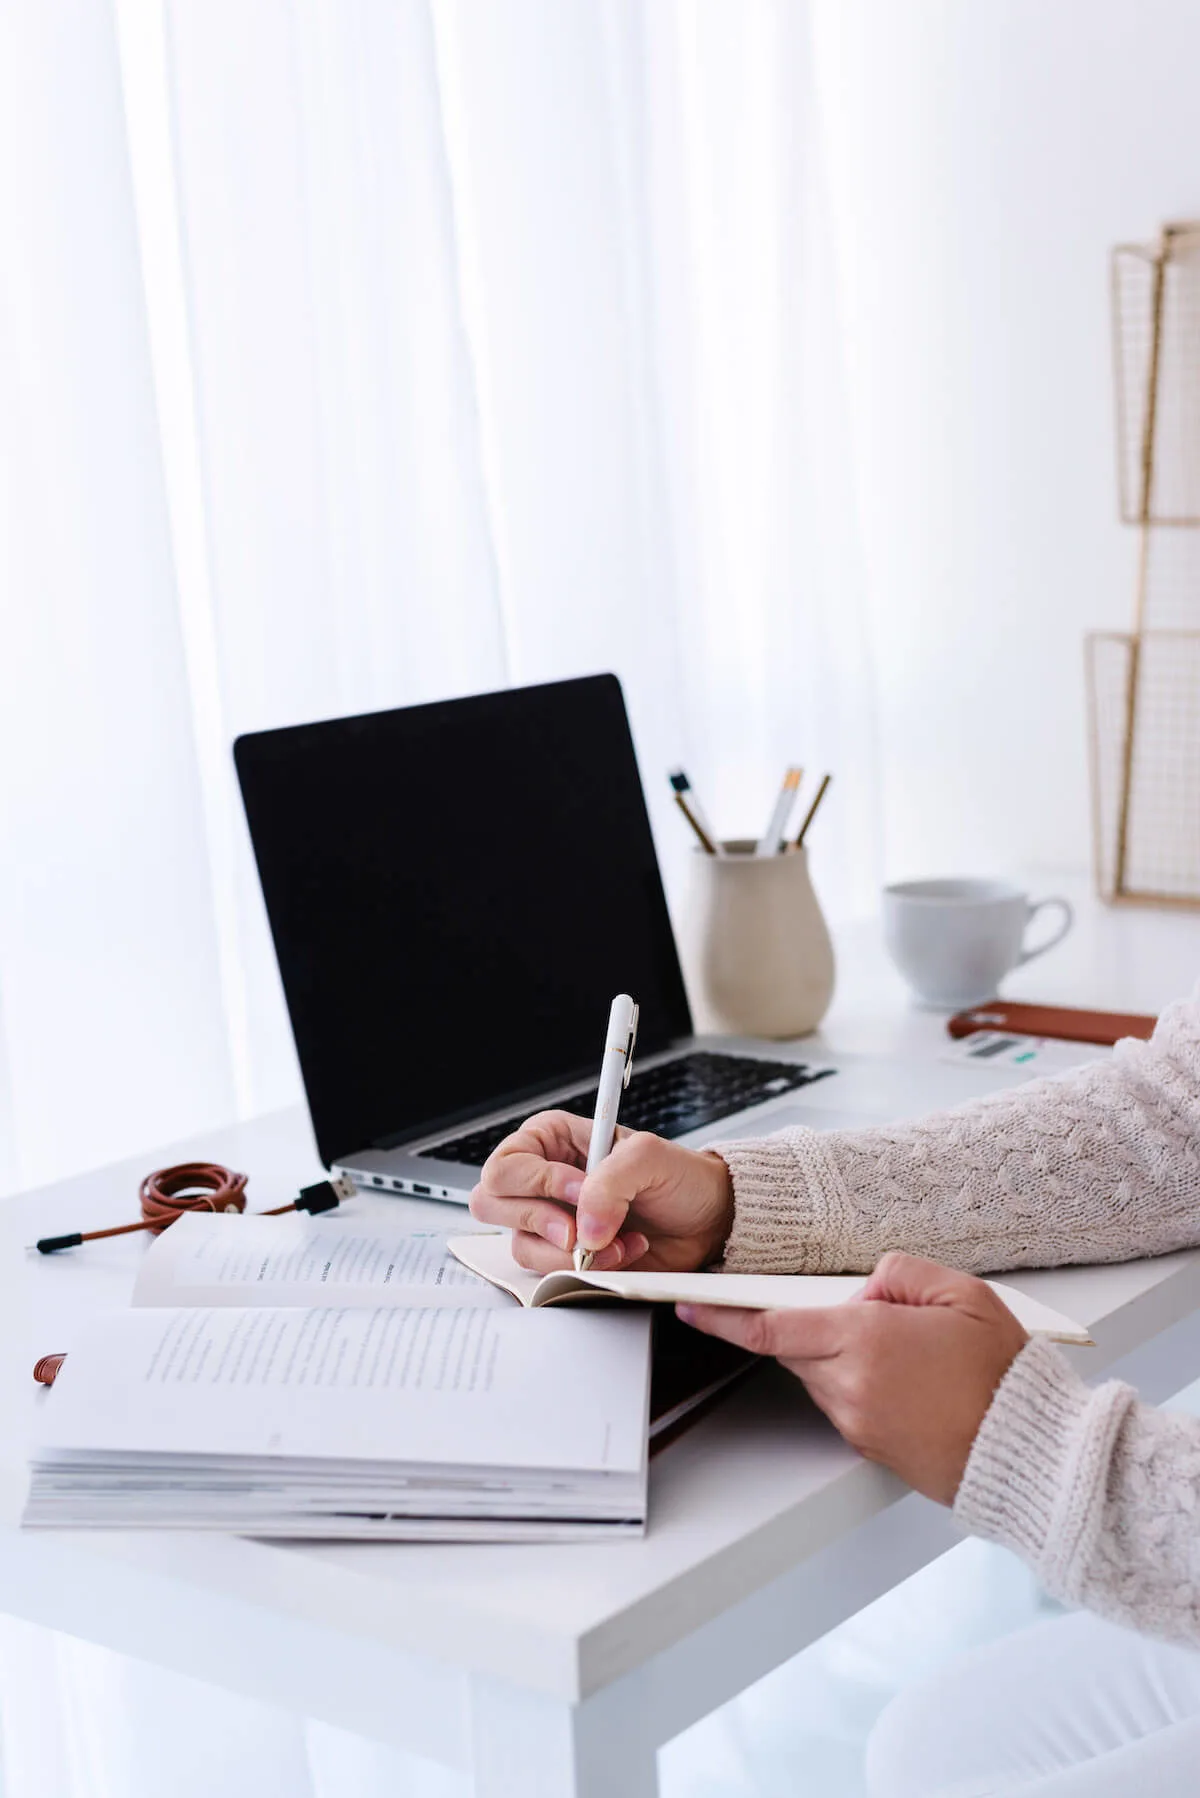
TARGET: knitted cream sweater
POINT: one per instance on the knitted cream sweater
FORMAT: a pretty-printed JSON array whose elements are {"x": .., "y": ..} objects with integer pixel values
[{"x": 1099, "y": 1493}]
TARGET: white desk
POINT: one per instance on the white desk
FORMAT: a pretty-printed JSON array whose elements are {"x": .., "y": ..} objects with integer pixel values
[{"x": 554, "y": 1670}]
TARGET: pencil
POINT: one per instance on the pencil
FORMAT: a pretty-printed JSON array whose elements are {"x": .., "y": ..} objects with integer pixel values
[
  {"x": 812, "y": 812},
  {"x": 706, "y": 842},
  {"x": 681, "y": 784}
]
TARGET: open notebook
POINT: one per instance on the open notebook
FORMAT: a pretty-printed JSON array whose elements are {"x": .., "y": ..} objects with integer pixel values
[{"x": 491, "y": 1258}]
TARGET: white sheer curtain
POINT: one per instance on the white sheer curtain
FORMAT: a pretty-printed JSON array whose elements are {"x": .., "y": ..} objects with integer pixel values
[
  {"x": 363, "y": 352},
  {"x": 351, "y": 354}
]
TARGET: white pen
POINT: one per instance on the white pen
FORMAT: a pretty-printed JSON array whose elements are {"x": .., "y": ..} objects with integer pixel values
[
  {"x": 615, "y": 1070},
  {"x": 771, "y": 841}
]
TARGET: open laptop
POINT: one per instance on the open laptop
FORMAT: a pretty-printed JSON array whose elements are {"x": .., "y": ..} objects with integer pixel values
[{"x": 455, "y": 892}]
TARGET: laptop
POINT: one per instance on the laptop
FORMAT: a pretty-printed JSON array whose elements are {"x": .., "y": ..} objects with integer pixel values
[{"x": 455, "y": 892}]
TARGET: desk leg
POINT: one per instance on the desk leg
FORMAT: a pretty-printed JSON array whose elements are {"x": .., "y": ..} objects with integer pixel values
[{"x": 527, "y": 1745}]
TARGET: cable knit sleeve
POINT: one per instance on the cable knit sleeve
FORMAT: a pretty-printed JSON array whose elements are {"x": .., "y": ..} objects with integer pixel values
[
  {"x": 1099, "y": 1165},
  {"x": 1100, "y": 1494}
]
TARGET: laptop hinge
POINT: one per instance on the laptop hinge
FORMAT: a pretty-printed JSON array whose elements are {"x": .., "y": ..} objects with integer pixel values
[{"x": 584, "y": 1077}]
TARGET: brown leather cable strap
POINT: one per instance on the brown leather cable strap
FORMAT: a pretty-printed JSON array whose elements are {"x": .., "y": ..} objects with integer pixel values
[
  {"x": 198, "y": 1186},
  {"x": 192, "y": 1186}
]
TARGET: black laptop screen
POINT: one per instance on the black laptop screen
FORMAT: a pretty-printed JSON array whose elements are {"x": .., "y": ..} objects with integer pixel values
[{"x": 456, "y": 892}]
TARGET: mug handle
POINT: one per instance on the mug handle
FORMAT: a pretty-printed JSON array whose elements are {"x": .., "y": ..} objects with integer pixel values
[{"x": 1035, "y": 908}]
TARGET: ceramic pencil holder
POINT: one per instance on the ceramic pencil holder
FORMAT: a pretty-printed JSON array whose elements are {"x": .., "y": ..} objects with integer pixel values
[{"x": 755, "y": 943}]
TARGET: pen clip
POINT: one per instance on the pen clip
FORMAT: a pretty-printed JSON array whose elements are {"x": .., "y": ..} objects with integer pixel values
[{"x": 629, "y": 1046}]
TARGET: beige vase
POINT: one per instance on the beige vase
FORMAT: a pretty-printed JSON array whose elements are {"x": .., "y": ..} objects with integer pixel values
[{"x": 756, "y": 948}]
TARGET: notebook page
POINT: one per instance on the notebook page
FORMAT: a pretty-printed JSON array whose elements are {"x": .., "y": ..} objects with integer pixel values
[
  {"x": 794, "y": 1292},
  {"x": 490, "y": 1254},
  {"x": 300, "y": 1260},
  {"x": 479, "y": 1388},
  {"x": 492, "y": 1257}
]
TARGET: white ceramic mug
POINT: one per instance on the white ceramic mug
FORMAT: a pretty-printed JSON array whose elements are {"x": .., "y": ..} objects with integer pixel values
[{"x": 955, "y": 940}]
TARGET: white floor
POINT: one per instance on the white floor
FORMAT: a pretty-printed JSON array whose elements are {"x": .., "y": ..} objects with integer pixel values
[{"x": 79, "y": 1722}]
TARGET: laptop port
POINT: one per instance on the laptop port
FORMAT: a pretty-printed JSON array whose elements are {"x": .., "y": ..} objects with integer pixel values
[{"x": 425, "y": 1191}]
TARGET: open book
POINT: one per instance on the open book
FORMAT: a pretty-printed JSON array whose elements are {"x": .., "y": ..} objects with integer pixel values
[
  {"x": 321, "y": 1377},
  {"x": 392, "y": 1422},
  {"x": 491, "y": 1258}
]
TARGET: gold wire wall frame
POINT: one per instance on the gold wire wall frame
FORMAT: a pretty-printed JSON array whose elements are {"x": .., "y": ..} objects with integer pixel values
[{"x": 1144, "y": 685}]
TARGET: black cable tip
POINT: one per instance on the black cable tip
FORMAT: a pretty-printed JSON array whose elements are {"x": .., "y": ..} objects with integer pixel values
[
  {"x": 48, "y": 1244},
  {"x": 320, "y": 1197}
]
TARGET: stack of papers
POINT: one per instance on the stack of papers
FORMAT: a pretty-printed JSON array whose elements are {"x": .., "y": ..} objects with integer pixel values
[{"x": 465, "y": 1423}]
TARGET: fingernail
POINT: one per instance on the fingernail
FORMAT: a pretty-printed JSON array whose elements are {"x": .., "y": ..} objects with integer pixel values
[
  {"x": 559, "y": 1231},
  {"x": 686, "y": 1313},
  {"x": 572, "y": 1190}
]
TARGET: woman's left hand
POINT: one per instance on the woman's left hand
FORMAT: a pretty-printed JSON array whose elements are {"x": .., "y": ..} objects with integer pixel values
[{"x": 906, "y": 1370}]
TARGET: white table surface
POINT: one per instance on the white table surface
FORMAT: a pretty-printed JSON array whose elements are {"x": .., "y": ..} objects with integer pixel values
[{"x": 765, "y": 1529}]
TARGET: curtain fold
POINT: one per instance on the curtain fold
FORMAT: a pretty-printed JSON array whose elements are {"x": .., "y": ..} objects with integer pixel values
[{"x": 348, "y": 537}]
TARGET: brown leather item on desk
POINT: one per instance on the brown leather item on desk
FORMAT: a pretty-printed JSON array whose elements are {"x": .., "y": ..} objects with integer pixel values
[
  {"x": 166, "y": 1195},
  {"x": 1060, "y": 1022},
  {"x": 199, "y": 1186},
  {"x": 193, "y": 1186}
]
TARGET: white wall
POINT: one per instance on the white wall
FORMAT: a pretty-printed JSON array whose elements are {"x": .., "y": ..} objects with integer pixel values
[{"x": 983, "y": 157}]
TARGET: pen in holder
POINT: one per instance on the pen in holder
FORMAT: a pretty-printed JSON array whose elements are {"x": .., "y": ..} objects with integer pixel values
[{"x": 756, "y": 948}]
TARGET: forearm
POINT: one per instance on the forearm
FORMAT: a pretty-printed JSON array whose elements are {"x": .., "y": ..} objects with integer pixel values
[
  {"x": 1101, "y": 1165},
  {"x": 1098, "y": 1492}
]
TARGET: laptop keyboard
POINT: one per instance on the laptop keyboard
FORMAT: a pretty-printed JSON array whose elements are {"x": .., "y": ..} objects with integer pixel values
[{"x": 671, "y": 1099}]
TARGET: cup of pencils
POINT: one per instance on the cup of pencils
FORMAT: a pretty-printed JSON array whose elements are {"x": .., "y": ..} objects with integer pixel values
[{"x": 755, "y": 943}]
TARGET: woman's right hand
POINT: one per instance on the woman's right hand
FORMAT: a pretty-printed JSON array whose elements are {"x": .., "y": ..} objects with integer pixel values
[{"x": 650, "y": 1203}]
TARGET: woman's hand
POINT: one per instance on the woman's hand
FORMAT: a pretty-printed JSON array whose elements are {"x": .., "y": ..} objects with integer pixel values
[
  {"x": 649, "y": 1202},
  {"x": 906, "y": 1370}
]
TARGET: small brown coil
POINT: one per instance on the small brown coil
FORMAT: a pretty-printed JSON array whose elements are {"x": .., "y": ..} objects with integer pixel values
[{"x": 192, "y": 1186}]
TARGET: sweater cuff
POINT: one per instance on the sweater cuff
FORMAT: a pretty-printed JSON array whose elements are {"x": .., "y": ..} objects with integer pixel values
[
  {"x": 1035, "y": 1477},
  {"x": 791, "y": 1211}
]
